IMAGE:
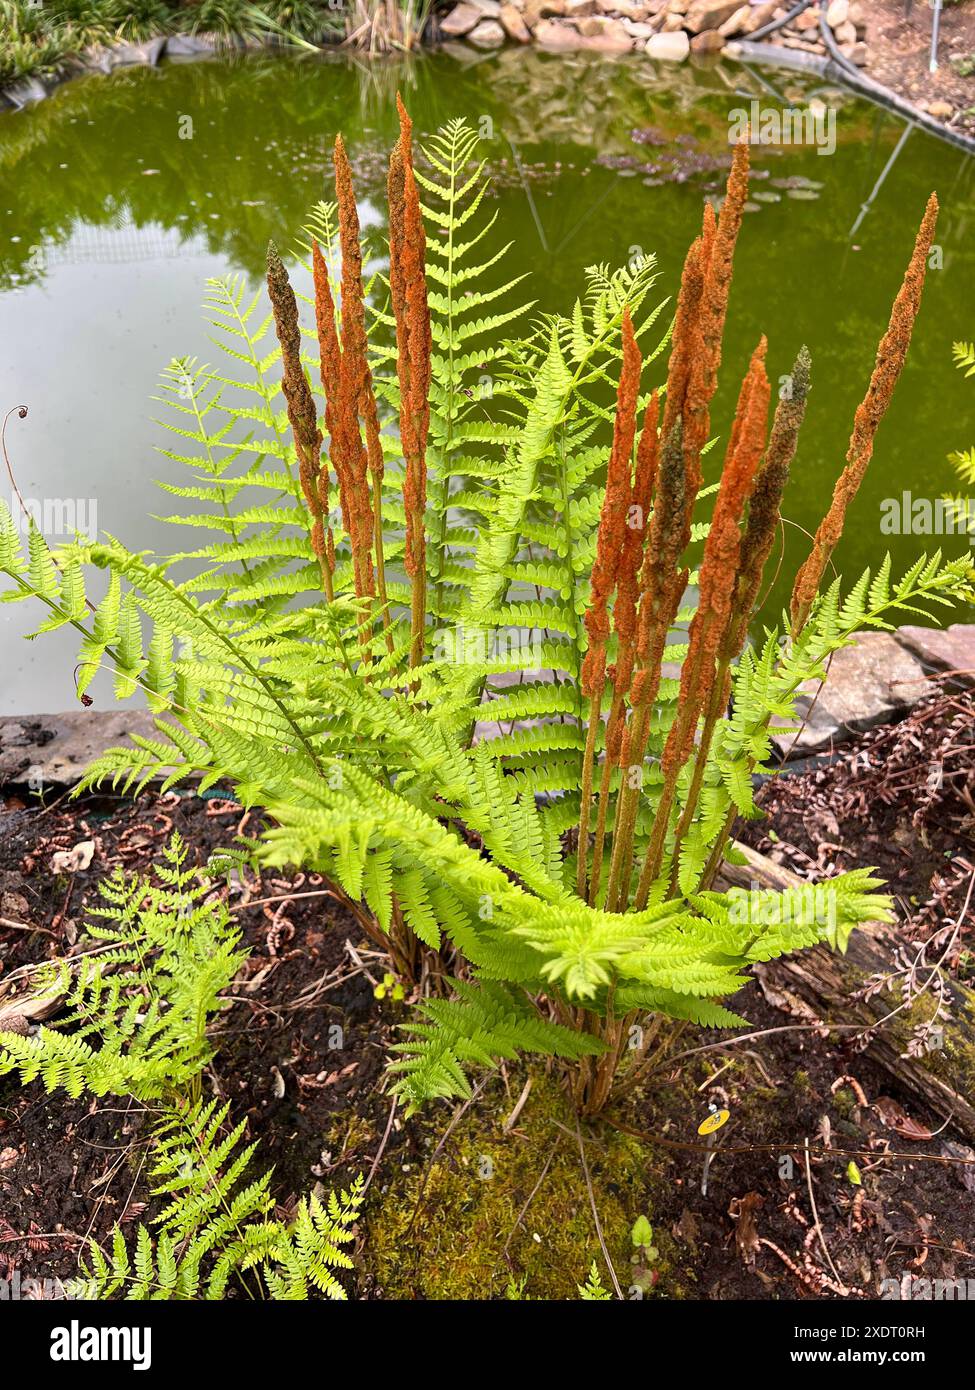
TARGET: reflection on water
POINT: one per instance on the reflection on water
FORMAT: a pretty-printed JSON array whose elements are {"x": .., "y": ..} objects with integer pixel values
[{"x": 119, "y": 196}]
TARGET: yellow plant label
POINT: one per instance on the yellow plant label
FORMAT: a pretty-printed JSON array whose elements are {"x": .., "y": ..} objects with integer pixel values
[{"x": 713, "y": 1122}]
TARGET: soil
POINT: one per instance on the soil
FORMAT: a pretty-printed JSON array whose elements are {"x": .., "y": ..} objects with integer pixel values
[
  {"x": 784, "y": 1216},
  {"x": 899, "y": 50}
]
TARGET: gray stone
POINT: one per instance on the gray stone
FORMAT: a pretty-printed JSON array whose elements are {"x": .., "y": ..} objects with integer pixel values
[
  {"x": 942, "y": 650},
  {"x": 550, "y": 34},
  {"x": 488, "y": 34},
  {"x": 26, "y": 93},
  {"x": 190, "y": 45},
  {"x": 143, "y": 55},
  {"x": 709, "y": 16},
  {"x": 53, "y": 750},
  {"x": 673, "y": 47},
  {"x": 872, "y": 682},
  {"x": 514, "y": 24},
  {"x": 461, "y": 20}
]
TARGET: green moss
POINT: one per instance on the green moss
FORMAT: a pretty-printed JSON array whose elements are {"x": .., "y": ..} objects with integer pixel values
[{"x": 465, "y": 1241}]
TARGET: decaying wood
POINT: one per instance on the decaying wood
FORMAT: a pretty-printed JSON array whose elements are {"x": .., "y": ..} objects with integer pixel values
[{"x": 821, "y": 983}]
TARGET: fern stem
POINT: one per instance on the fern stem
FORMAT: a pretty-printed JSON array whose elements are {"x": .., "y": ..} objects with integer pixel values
[{"x": 588, "y": 760}]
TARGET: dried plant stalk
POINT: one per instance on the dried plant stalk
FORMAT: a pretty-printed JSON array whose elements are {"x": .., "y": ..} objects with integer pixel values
[
  {"x": 300, "y": 403},
  {"x": 887, "y": 368},
  {"x": 610, "y": 545},
  {"x": 407, "y": 277},
  {"x": 719, "y": 570}
]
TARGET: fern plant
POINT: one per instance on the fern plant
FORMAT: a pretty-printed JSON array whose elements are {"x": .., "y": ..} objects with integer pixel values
[
  {"x": 217, "y": 1225},
  {"x": 964, "y": 459},
  {"x": 134, "y": 1009},
  {"x": 438, "y": 648}
]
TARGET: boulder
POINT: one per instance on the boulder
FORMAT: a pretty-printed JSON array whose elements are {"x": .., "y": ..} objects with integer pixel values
[
  {"x": 837, "y": 12},
  {"x": 551, "y": 34},
  {"x": 51, "y": 750},
  {"x": 536, "y": 10},
  {"x": 670, "y": 47},
  {"x": 943, "y": 649},
  {"x": 489, "y": 33},
  {"x": 190, "y": 45},
  {"x": 134, "y": 55},
  {"x": 514, "y": 24},
  {"x": 872, "y": 682},
  {"x": 710, "y": 41},
  {"x": 760, "y": 15},
  {"x": 606, "y": 35},
  {"x": 461, "y": 20},
  {"x": 737, "y": 22},
  {"x": 701, "y": 16},
  {"x": 21, "y": 94}
]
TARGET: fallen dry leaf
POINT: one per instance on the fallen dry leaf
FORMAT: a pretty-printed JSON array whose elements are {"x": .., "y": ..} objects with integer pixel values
[
  {"x": 895, "y": 1117},
  {"x": 743, "y": 1212},
  {"x": 73, "y": 861}
]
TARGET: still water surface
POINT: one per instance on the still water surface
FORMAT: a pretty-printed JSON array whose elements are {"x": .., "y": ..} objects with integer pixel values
[{"x": 111, "y": 222}]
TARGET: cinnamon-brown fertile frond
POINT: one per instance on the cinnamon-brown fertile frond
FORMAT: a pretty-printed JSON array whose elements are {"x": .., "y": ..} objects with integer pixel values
[{"x": 891, "y": 355}]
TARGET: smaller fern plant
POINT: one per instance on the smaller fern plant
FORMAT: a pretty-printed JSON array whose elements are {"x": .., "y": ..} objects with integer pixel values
[
  {"x": 963, "y": 508},
  {"x": 217, "y": 1225},
  {"x": 136, "y": 1007}
]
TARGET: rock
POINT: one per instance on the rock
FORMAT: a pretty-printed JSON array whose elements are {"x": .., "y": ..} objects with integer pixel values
[
  {"x": 543, "y": 9},
  {"x": 488, "y": 34},
  {"x": 190, "y": 45},
  {"x": 845, "y": 33},
  {"x": 701, "y": 16},
  {"x": 837, "y": 12},
  {"x": 672, "y": 47},
  {"x": 623, "y": 9},
  {"x": 46, "y": 750},
  {"x": 26, "y": 93},
  {"x": 461, "y": 20},
  {"x": 673, "y": 24},
  {"x": 550, "y": 34},
  {"x": 737, "y": 22},
  {"x": 949, "y": 649},
  {"x": 869, "y": 683},
  {"x": 638, "y": 30},
  {"x": 710, "y": 41},
  {"x": 858, "y": 54},
  {"x": 760, "y": 15},
  {"x": 809, "y": 19},
  {"x": 134, "y": 55},
  {"x": 604, "y": 35},
  {"x": 678, "y": 6},
  {"x": 578, "y": 9},
  {"x": 943, "y": 110},
  {"x": 514, "y": 24},
  {"x": 490, "y": 9}
]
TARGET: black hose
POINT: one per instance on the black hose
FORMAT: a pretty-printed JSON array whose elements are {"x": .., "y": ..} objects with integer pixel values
[
  {"x": 775, "y": 24},
  {"x": 830, "y": 43}
]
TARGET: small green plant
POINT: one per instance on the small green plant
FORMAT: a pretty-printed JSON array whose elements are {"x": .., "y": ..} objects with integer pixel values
[
  {"x": 593, "y": 1291},
  {"x": 136, "y": 1003},
  {"x": 217, "y": 1224}
]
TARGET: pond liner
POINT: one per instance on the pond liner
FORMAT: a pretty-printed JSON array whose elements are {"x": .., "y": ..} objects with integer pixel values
[{"x": 773, "y": 54}]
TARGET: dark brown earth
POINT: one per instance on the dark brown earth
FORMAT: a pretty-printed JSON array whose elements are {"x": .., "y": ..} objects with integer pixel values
[
  {"x": 899, "y": 50},
  {"x": 70, "y": 1170}
]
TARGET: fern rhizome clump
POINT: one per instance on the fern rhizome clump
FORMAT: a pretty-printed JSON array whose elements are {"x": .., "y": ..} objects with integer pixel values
[{"x": 434, "y": 638}]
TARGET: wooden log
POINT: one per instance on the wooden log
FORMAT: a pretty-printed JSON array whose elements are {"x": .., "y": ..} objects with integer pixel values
[{"x": 831, "y": 985}]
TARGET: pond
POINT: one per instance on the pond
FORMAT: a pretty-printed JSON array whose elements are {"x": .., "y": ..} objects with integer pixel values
[{"x": 119, "y": 197}]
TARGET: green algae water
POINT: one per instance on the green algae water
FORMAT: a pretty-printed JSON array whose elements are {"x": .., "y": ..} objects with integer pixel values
[{"x": 120, "y": 196}]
